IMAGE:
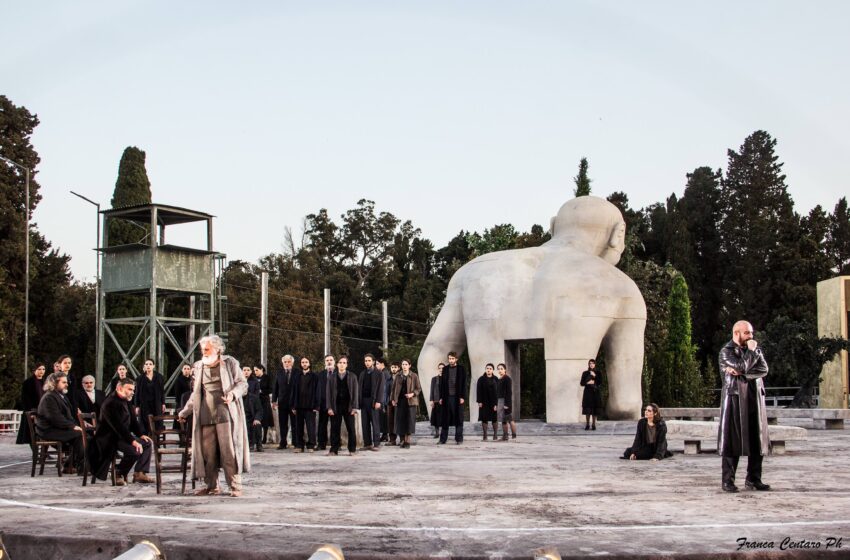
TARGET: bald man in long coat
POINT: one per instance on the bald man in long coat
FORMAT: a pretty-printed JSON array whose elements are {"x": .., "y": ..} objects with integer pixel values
[{"x": 743, "y": 417}]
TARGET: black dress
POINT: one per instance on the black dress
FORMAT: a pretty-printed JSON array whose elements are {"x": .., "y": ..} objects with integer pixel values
[
  {"x": 644, "y": 447},
  {"x": 149, "y": 397},
  {"x": 591, "y": 400},
  {"x": 487, "y": 390},
  {"x": 31, "y": 391}
]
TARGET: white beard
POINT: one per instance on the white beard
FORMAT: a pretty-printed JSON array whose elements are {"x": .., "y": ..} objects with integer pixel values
[{"x": 210, "y": 361}]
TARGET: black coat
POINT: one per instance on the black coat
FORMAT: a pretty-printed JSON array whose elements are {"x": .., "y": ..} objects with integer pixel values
[
  {"x": 487, "y": 390},
  {"x": 462, "y": 383},
  {"x": 182, "y": 386},
  {"x": 266, "y": 387},
  {"x": 282, "y": 389},
  {"x": 31, "y": 393},
  {"x": 117, "y": 423},
  {"x": 54, "y": 413},
  {"x": 591, "y": 399},
  {"x": 310, "y": 400},
  {"x": 376, "y": 394},
  {"x": 434, "y": 393},
  {"x": 150, "y": 395},
  {"x": 253, "y": 407},
  {"x": 322, "y": 388},
  {"x": 353, "y": 390},
  {"x": 642, "y": 448},
  {"x": 84, "y": 402}
]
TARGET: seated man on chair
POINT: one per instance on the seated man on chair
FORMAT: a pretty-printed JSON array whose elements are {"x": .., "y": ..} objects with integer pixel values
[
  {"x": 56, "y": 421},
  {"x": 119, "y": 430}
]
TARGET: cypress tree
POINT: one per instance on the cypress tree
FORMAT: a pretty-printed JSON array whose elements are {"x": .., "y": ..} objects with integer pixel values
[
  {"x": 131, "y": 188},
  {"x": 683, "y": 378},
  {"x": 581, "y": 180}
]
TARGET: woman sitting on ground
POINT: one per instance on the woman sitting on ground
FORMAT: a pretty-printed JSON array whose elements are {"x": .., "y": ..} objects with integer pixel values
[{"x": 651, "y": 437}]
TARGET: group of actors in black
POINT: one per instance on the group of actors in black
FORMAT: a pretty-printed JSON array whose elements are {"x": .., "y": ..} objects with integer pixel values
[{"x": 387, "y": 399}]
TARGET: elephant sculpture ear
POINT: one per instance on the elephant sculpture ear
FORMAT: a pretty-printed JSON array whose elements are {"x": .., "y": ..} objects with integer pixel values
[{"x": 617, "y": 239}]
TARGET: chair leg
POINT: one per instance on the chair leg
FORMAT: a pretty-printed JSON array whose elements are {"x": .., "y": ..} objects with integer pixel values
[
  {"x": 35, "y": 455},
  {"x": 59, "y": 460}
]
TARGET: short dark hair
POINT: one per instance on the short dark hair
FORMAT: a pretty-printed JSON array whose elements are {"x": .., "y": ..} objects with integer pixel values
[
  {"x": 369, "y": 356},
  {"x": 341, "y": 356},
  {"x": 489, "y": 365},
  {"x": 260, "y": 367},
  {"x": 381, "y": 360},
  {"x": 150, "y": 360},
  {"x": 396, "y": 364},
  {"x": 441, "y": 364},
  {"x": 126, "y": 381},
  {"x": 452, "y": 354}
]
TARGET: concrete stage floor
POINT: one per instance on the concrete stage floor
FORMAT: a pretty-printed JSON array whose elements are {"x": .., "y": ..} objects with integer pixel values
[{"x": 554, "y": 486}]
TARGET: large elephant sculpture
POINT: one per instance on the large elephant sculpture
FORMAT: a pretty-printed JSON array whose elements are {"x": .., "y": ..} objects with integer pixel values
[{"x": 567, "y": 293}]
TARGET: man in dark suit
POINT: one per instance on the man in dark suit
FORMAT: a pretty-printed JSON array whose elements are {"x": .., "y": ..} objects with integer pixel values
[
  {"x": 321, "y": 392},
  {"x": 119, "y": 430},
  {"x": 56, "y": 421},
  {"x": 90, "y": 399},
  {"x": 454, "y": 387},
  {"x": 281, "y": 398},
  {"x": 371, "y": 400}
]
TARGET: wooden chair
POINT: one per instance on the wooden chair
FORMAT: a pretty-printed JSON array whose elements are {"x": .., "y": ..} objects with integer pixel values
[
  {"x": 41, "y": 447},
  {"x": 170, "y": 442},
  {"x": 88, "y": 423}
]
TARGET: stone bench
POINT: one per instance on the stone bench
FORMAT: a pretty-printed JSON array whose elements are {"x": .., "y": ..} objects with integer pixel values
[
  {"x": 694, "y": 432},
  {"x": 826, "y": 418}
]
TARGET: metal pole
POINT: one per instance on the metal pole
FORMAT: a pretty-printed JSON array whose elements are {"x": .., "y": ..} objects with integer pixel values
[
  {"x": 98, "y": 366},
  {"x": 264, "y": 317},
  {"x": 385, "y": 328},
  {"x": 327, "y": 321},
  {"x": 27, "y": 260},
  {"x": 27, "y": 282}
]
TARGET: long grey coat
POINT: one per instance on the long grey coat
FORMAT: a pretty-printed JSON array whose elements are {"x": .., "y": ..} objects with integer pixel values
[
  {"x": 733, "y": 435},
  {"x": 232, "y": 381}
]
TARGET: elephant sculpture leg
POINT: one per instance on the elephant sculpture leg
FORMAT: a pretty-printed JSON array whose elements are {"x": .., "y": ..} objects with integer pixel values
[
  {"x": 446, "y": 335},
  {"x": 624, "y": 362}
]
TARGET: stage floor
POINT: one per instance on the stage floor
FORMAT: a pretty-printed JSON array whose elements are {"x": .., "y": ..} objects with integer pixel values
[{"x": 554, "y": 486}]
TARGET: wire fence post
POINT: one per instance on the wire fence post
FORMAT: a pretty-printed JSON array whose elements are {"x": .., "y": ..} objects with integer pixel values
[
  {"x": 264, "y": 318},
  {"x": 385, "y": 328},
  {"x": 327, "y": 321}
]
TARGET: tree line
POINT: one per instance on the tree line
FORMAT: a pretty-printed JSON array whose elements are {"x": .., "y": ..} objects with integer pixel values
[{"x": 730, "y": 246}]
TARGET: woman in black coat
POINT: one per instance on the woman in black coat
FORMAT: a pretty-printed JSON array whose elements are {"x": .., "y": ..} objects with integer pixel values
[
  {"x": 150, "y": 396},
  {"x": 488, "y": 399},
  {"x": 31, "y": 391},
  {"x": 266, "y": 386},
  {"x": 651, "y": 437},
  {"x": 591, "y": 400}
]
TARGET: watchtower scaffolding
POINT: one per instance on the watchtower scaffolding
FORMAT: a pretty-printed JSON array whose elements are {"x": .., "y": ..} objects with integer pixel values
[{"x": 153, "y": 272}]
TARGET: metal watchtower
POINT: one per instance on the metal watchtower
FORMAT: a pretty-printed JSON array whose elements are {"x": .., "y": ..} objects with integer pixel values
[{"x": 153, "y": 272}]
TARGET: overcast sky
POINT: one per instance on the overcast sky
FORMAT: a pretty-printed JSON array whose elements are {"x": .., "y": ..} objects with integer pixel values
[{"x": 455, "y": 115}]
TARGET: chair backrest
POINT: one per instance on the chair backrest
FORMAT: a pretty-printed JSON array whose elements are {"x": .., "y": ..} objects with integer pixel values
[
  {"x": 31, "y": 415},
  {"x": 89, "y": 418},
  {"x": 160, "y": 431}
]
